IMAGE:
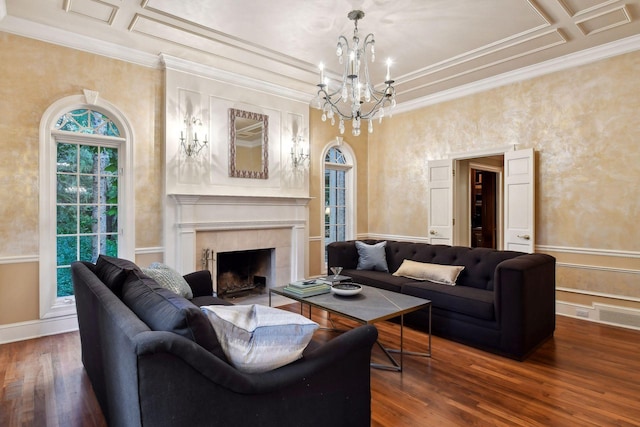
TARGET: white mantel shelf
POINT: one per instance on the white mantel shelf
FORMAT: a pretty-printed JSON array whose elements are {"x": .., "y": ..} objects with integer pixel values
[{"x": 199, "y": 199}]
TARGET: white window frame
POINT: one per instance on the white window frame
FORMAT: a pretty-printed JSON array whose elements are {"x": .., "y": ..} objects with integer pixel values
[
  {"x": 50, "y": 304},
  {"x": 350, "y": 191}
]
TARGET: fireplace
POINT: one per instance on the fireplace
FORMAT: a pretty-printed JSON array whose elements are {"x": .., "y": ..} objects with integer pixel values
[
  {"x": 243, "y": 271},
  {"x": 219, "y": 224}
]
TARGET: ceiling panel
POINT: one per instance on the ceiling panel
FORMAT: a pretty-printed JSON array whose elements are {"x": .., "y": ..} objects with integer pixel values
[{"x": 435, "y": 45}]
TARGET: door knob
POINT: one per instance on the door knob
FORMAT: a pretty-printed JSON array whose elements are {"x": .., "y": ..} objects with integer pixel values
[
  {"x": 433, "y": 232},
  {"x": 524, "y": 236}
]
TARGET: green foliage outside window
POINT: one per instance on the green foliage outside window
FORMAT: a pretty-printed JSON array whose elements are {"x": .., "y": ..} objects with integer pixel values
[{"x": 86, "y": 196}]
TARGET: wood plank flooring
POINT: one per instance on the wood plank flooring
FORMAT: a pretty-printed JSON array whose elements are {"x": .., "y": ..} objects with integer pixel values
[{"x": 587, "y": 375}]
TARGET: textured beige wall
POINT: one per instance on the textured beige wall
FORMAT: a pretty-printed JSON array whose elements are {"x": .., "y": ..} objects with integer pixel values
[
  {"x": 583, "y": 124},
  {"x": 321, "y": 134},
  {"x": 40, "y": 74}
]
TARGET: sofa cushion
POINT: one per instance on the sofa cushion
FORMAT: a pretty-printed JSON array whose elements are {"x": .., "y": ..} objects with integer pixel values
[
  {"x": 114, "y": 271},
  {"x": 163, "y": 310},
  {"x": 379, "y": 279},
  {"x": 258, "y": 338},
  {"x": 372, "y": 257},
  {"x": 443, "y": 274},
  {"x": 168, "y": 278},
  {"x": 474, "y": 302}
]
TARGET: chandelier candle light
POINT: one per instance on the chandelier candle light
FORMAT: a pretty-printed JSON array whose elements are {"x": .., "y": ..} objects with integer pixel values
[{"x": 363, "y": 101}]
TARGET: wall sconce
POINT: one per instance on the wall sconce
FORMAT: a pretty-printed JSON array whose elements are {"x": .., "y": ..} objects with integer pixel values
[
  {"x": 190, "y": 143},
  {"x": 298, "y": 156}
]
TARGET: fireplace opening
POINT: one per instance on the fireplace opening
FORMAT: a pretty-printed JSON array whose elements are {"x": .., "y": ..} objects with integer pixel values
[{"x": 243, "y": 271}]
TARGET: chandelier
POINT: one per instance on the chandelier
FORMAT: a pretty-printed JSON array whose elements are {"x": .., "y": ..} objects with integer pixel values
[{"x": 356, "y": 98}]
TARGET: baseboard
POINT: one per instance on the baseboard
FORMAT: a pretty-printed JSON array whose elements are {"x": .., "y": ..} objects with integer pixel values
[
  {"x": 37, "y": 328},
  {"x": 607, "y": 314}
]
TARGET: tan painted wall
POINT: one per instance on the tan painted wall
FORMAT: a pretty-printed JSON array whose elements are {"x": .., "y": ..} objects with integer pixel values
[
  {"x": 583, "y": 124},
  {"x": 321, "y": 134},
  {"x": 40, "y": 74}
]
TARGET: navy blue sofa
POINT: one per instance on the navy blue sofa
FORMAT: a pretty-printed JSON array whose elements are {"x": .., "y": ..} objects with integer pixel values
[
  {"x": 503, "y": 301},
  {"x": 153, "y": 359}
]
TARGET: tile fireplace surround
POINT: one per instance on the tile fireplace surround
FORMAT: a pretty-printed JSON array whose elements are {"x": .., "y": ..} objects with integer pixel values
[{"x": 234, "y": 223}]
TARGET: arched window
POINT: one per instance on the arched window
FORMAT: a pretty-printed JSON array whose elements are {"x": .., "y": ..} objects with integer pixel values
[
  {"x": 339, "y": 195},
  {"x": 84, "y": 160}
]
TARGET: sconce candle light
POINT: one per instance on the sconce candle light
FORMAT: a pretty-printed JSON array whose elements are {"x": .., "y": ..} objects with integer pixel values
[
  {"x": 190, "y": 144},
  {"x": 298, "y": 156}
]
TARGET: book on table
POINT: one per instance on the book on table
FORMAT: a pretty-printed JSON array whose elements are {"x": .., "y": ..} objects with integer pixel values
[{"x": 307, "y": 290}]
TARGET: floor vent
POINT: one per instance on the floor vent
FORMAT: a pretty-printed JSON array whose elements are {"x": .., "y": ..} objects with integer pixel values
[{"x": 619, "y": 317}]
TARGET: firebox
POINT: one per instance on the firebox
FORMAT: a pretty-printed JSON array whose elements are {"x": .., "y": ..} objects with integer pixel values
[{"x": 243, "y": 271}]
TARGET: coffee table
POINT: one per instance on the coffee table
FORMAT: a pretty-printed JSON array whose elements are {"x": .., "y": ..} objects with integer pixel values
[{"x": 371, "y": 305}]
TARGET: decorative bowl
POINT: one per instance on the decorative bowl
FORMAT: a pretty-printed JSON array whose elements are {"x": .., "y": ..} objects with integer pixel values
[{"x": 346, "y": 289}]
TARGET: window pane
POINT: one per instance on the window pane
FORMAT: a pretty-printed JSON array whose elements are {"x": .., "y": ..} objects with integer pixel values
[
  {"x": 112, "y": 245},
  {"x": 88, "y": 189},
  {"x": 109, "y": 192},
  {"x": 111, "y": 219},
  {"x": 89, "y": 219},
  {"x": 87, "y": 245},
  {"x": 67, "y": 250},
  {"x": 88, "y": 159},
  {"x": 67, "y": 219},
  {"x": 67, "y": 159},
  {"x": 109, "y": 161},
  {"x": 65, "y": 285},
  {"x": 67, "y": 188}
]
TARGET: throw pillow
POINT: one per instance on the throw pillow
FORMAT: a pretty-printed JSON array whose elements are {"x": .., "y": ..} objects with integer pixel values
[
  {"x": 257, "y": 338},
  {"x": 169, "y": 279},
  {"x": 443, "y": 274},
  {"x": 372, "y": 257},
  {"x": 163, "y": 310},
  {"x": 113, "y": 271}
]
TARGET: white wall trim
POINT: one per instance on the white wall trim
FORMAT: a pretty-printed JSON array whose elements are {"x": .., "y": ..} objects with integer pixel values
[
  {"x": 45, "y": 33},
  {"x": 150, "y": 250},
  {"x": 19, "y": 259},
  {"x": 179, "y": 64},
  {"x": 589, "y": 251},
  {"x": 396, "y": 237},
  {"x": 597, "y": 294},
  {"x": 598, "y": 268},
  {"x": 37, "y": 328},
  {"x": 587, "y": 56}
]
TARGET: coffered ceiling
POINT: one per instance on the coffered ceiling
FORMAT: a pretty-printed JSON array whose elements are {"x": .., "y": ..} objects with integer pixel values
[{"x": 435, "y": 45}]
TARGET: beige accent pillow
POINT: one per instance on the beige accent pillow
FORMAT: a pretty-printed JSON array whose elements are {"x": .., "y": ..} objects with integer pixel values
[{"x": 443, "y": 274}]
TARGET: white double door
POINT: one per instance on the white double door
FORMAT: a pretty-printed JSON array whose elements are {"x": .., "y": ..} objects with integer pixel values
[{"x": 519, "y": 201}]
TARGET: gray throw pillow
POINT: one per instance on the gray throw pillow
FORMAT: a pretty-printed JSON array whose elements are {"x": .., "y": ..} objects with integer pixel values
[
  {"x": 169, "y": 279},
  {"x": 372, "y": 257}
]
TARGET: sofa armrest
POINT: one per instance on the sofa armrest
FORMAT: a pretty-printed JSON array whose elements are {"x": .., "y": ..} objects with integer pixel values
[
  {"x": 332, "y": 383},
  {"x": 525, "y": 289},
  {"x": 200, "y": 282}
]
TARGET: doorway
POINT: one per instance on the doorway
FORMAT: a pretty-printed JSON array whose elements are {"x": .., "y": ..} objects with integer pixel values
[{"x": 484, "y": 224}]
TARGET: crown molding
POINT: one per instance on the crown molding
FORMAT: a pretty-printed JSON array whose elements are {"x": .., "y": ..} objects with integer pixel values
[
  {"x": 608, "y": 50},
  {"x": 179, "y": 64},
  {"x": 45, "y": 33}
]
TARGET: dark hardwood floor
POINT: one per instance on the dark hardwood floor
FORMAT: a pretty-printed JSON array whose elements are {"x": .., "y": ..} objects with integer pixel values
[{"x": 587, "y": 375}]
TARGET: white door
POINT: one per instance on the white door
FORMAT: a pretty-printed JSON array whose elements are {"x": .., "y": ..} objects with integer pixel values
[
  {"x": 519, "y": 199},
  {"x": 440, "y": 199}
]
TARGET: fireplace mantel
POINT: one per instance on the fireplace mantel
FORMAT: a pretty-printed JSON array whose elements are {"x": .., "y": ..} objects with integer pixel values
[{"x": 188, "y": 214}]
